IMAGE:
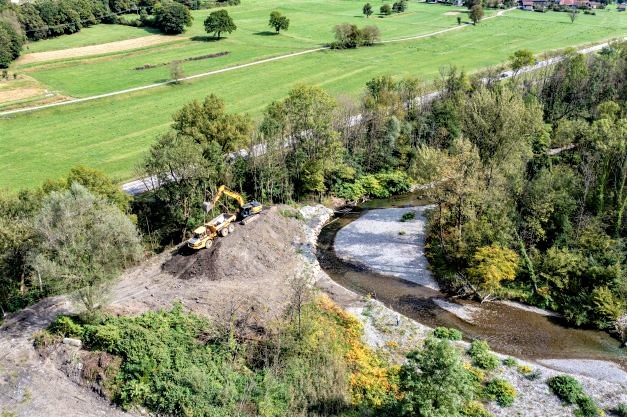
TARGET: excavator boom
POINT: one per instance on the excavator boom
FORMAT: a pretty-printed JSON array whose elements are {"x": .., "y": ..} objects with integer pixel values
[{"x": 224, "y": 190}]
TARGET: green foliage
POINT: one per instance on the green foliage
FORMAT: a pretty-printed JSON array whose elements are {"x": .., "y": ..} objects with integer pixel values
[
  {"x": 475, "y": 409},
  {"x": 588, "y": 408},
  {"x": 620, "y": 410},
  {"x": 434, "y": 381},
  {"x": 399, "y": 6},
  {"x": 447, "y": 333},
  {"x": 43, "y": 339},
  {"x": 490, "y": 265},
  {"x": 278, "y": 21},
  {"x": 291, "y": 214},
  {"x": 11, "y": 40},
  {"x": 567, "y": 388},
  {"x": 385, "y": 9},
  {"x": 367, "y": 10},
  {"x": 410, "y": 215},
  {"x": 86, "y": 242},
  {"x": 218, "y": 22},
  {"x": 66, "y": 326},
  {"x": 520, "y": 59},
  {"x": 350, "y": 36},
  {"x": 172, "y": 17},
  {"x": 501, "y": 391},
  {"x": 380, "y": 185},
  {"x": 480, "y": 353},
  {"x": 510, "y": 362}
]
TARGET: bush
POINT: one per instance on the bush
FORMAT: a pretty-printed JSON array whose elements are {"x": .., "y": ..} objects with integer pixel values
[
  {"x": 447, "y": 333},
  {"x": 291, "y": 213},
  {"x": 475, "y": 409},
  {"x": 501, "y": 391},
  {"x": 587, "y": 408},
  {"x": 410, "y": 215},
  {"x": 480, "y": 353},
  {"x": 399, "y": 6},
  {"x": 620, "y": 410},
  {"x": 385, "y": 10},
  {"x": 43, "y": 339},
  {"x": 10, "y": 44},
  {"x": 567, "y": 388},
  {"x": 66, "y": 326},
  {"x": 510, "y": 362}
]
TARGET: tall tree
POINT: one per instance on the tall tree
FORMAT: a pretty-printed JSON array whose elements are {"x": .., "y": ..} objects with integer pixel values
[
  {"x": 85, "y": 243},
  {"x": 218, "y": 22},
  {"x": 367, "y": 10},
  {"x": 172, "y": 17}
]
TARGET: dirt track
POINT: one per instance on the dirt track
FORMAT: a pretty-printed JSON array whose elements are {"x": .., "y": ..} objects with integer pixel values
[{"x": 104, "y": 48}]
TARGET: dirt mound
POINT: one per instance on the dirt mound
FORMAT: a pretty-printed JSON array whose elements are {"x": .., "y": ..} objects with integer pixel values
[{"x": 264, "y": 247}]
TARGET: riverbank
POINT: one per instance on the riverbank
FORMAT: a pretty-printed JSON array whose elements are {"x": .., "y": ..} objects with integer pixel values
[{"x": 382, "y": 332}]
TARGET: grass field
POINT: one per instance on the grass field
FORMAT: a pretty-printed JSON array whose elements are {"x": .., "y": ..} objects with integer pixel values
[
  {"x": 93, "y": 35},
  {"x": 111, "y": 134}
]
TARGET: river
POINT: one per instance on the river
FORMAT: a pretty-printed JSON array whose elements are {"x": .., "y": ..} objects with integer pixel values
[{"x": 509, "y": 330}]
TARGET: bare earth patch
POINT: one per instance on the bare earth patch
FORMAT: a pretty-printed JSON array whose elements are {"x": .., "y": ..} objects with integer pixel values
[
  {"x": 103, "y": 48},
  {"x": 20, "y": 94}
]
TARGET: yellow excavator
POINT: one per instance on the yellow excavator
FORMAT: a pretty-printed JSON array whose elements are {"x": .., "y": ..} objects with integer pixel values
[
  {"x": 245, "y": 209},
  {"x": 223, "y": 224}
]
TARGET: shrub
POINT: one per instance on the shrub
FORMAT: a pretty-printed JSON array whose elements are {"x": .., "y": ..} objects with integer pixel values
[
  {"x": 385, "y": 10},
  {"x": 475, "y": 409},
  {"x": 65, "y": 326},
  {"x": 587, "y": 408},
  {"x": 291, "y": 213},
  {"x": 43, "y": 339},
  {"x": 620, "y": 410},
  {"x": 480, "y": 353},
  {"x": 399, "y": 6},
  {"x": 410, "y": 215},
  {"x": 567, "y": 388},
  {"x": 501, "y": 391},
  {"x": 510, "y": 362},
  {"x": 447, "y": 333}
]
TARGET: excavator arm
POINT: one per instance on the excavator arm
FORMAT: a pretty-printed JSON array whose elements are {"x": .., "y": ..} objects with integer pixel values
[{"x": 224, "y": 190}]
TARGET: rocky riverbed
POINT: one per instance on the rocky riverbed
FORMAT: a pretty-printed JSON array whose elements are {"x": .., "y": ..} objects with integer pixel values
[{"x": 387, "y": 330}]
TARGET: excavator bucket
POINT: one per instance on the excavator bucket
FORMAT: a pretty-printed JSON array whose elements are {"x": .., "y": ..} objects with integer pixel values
[{"x": 207, "y": 206}]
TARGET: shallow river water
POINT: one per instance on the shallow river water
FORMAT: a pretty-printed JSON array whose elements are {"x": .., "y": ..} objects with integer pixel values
[{"x": 509, "y": 330}]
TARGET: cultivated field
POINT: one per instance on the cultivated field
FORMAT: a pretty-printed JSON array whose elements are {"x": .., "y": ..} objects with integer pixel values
[{"x": 112, "y": 133}]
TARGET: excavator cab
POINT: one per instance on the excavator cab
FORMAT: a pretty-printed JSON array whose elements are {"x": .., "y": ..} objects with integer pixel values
[{"x": 249, "y": 209}]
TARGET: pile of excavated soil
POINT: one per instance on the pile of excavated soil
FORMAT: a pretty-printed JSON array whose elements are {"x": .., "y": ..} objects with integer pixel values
[{"x": 247, "y": 271}]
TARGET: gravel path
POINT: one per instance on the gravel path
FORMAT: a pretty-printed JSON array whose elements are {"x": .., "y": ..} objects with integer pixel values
[{"x": 380, "y": 241}]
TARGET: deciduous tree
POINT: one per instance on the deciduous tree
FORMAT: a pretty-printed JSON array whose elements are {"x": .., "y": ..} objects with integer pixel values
[
  {"x": 367, "y": 10},
  {"x": 218, "y": 22},
  {"x": 278, "y": 21}
]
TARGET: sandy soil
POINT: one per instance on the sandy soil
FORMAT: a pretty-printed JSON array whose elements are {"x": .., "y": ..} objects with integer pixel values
[
  {"x": 103, "y": 48},
  {"x": 380, "y": 241}
]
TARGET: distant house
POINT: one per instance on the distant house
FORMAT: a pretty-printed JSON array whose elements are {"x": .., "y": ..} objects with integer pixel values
[
  {"x": 621, "y": 7},
  {"x": 567, "y": 3},
  {"x": 527, "y": 5}
]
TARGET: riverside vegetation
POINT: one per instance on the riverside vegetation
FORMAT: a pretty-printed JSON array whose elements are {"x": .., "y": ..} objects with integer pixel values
[{"x": 512, "y": 219}]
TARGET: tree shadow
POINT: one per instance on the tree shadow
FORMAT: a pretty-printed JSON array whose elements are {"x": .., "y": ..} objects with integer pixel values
[
  {"x": 265, "y": 33},
  {"x": 205, "y": 38}
]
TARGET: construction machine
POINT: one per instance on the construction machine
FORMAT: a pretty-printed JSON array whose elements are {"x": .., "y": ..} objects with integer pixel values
[
  {"x": 223, "y": 224},
  {"x": 204, "y": 235},
  {"x": 245, "y": 209}
]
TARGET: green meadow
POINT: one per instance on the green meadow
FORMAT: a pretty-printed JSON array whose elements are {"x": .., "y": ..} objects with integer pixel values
[{"x": 112, "y": 134}]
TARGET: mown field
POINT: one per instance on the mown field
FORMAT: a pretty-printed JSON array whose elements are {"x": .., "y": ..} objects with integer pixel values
[
  {"x": 111, "y": 134},
  {"x": 93, "y": 35}
]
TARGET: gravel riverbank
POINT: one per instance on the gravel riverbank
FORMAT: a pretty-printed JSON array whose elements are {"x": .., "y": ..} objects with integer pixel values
[{"x": 602, "y": 380}]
